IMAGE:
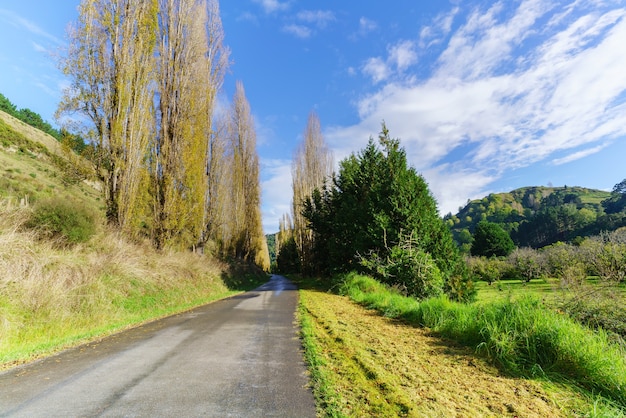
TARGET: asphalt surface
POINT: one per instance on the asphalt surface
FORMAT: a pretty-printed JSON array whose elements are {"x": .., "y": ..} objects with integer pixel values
[{"x": 239, "y": 357}]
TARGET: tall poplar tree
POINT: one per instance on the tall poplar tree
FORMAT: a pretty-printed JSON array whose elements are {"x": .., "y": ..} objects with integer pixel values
[
  {"x": 110, "y": 62},
  {"x": 312, "y": 165},
  {"x": 247, "y": 240},
  {"x": 145, "y": 74}
]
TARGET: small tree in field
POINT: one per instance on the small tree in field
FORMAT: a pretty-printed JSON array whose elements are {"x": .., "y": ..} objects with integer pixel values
[{"x": 528, "y": 263}]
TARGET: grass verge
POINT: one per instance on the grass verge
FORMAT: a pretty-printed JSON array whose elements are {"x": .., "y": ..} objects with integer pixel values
[
  {"x": 53, "y": 297},
  {"x": 522, "y": 337},
  {"x": 366, "y": 365}
]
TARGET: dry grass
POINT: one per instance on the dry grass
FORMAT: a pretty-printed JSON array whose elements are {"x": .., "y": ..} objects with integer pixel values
[
  {"x": 32, "y": 133},
  {"x": 380, "y": 367},
  {"x": 51, "y": 296}
]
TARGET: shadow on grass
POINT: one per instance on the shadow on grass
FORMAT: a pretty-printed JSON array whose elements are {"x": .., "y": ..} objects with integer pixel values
[{"x": 242, "y": 276}]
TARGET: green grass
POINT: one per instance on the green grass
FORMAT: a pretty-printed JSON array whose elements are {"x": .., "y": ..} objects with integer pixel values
[
  {"x": 520, "y": 335},
  {"x": 328, "y": 400},
  {"x": 544, "y": 289}
]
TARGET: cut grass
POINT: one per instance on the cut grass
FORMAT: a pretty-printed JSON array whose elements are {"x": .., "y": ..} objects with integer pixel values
[
  {"x": 522, "y": 337},
  {"x": 365, "y": 365}
]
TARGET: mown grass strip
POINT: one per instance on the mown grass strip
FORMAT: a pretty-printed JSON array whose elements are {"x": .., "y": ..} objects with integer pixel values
[
  {"x": 522, "y": 337},
  {"x": 327, "y": 399}
]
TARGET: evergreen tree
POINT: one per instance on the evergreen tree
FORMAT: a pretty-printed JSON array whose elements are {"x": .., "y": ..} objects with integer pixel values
[
  {"x": 375, "y": 200},
  {"x": 491, "y": 240}
]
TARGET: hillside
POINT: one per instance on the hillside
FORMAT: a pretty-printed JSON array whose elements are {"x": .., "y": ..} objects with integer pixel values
[
  {"x": 537, "y": 216},
  {"x": 55, "y": 293}
]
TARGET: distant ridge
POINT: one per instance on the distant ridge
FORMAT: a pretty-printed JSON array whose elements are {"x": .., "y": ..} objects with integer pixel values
[{"x": 536, "y": 216}]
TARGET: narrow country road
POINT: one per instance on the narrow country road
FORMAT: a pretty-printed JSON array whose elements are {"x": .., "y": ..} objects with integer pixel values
[{"x": 239, "y": 357}]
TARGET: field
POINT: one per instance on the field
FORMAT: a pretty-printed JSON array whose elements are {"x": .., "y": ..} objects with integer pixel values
[{"x": 365, "y": 363}]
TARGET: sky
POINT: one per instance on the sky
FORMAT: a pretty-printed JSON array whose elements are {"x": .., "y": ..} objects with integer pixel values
[{"x": 484, "y": 96}]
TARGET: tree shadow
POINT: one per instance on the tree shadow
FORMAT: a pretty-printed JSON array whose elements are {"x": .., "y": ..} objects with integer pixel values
[{"x": 242, "y": 276}]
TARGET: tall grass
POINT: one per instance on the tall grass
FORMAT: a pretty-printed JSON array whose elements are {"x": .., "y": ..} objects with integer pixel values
[
  {"x": 51, "y": 296},
  {"x": 522, "y": 336}
]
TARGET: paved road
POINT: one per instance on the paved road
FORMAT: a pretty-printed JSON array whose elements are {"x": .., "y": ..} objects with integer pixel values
[{"x": 238, "y": 357}]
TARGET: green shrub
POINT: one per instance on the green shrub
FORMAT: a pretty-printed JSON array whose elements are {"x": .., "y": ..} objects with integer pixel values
[
  {"x": 61, "y": 218},
  {"x": 409, "y": 269}
]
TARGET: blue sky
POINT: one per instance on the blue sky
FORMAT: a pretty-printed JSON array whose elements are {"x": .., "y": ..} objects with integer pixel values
[{"x": 485, "y": 96}]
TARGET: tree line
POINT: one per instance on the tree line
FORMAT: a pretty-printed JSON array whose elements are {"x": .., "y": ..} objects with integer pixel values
[
  {"x": 144, "y": 81},
  {"x": 375, "y": 215}
]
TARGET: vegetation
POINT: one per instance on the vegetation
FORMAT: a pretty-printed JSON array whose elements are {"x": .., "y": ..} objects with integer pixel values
[
  {"x": 52, "y": 297},
  {"x": 490, "y": 240},
  {"x": 65, "y": 220},
  {"x": 373, "y": 202},
  {"x": 311, "y": 168},
  {"x": 522, "y": 337},
  {"x": 28, "y": 116},
  {"x": 537, "y": 216},
  {"x": 144, "y": 78},
  {"x": 363, "y": 364}
]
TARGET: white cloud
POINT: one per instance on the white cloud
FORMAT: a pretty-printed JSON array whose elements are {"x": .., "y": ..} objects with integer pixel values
[
  {"x": 276, "y": 192},
  {"x": 399, "y": 58},
  {"x": 578, "y": 155},
  {"x": 18, "y": 21},
  {"x": 507, "y": 91},
  {"x": 300, "y": 31},
  {"x": 403, "y": 55},
  {"x": 271, "y": 6},
  {"x": 377, "y": 69},
  {"x": 320, "y": 18}
]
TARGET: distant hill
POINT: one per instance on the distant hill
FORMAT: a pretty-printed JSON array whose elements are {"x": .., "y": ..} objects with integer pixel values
[{"x": 538, "y": 216}]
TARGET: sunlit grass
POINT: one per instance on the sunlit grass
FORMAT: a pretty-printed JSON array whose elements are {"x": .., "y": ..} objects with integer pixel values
[
  {"x": 366, "y": 365},
  {"x": 520, "y": 336},
  {"x": 52, "y": 297}
]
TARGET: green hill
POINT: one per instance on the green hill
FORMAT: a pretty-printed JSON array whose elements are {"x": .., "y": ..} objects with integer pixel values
[{"x": 538, "y": 216}]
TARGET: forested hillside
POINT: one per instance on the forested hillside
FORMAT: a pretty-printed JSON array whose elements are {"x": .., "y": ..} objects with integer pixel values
[{"x": 539, "y": 216}]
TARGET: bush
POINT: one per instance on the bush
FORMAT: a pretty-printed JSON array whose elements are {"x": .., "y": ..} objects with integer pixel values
[
  {"x": 63, "y": 219},
  {"x": 409, "y": 268}
]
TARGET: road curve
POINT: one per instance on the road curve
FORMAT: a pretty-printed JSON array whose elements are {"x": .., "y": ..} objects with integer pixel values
[{"x": 239, "y": 357}]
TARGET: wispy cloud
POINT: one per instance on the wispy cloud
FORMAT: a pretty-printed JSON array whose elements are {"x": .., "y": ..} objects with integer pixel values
[
  {"x": 440, "y": 28},
  {"x": 271, "y": 6},
  {"x": 320, "y": 18},
  {"x": 299, "y": 31},
  {"x": 578, "y": 155},
  {"x": 399, "y": 58},
  {"x": 511, "y": 87},
  {"x": 307, "y": 22},
  {"x": 366, "y": 25},
  {"x": 18, "y": 21}
]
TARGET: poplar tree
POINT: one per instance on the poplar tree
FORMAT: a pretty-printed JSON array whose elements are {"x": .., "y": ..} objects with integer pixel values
[
  {"x": 187, "y": 83},
  {"x": 312, "y": 165},
  {"x": 110, "y": 61},
  {"x": 247, "y": 241}
]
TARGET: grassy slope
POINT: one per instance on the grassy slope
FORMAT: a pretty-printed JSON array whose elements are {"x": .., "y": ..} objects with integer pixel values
[
  {"x": 365, "y": 364},
  {"x": 52, "y": 297}
]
